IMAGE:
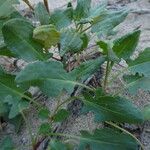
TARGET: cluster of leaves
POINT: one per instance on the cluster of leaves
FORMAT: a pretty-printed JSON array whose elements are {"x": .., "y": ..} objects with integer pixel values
[{"x": 69, "y": 31}]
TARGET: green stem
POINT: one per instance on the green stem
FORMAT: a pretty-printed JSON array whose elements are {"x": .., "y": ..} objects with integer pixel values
[
  {"x": 61, "y": 104},
  {"x": 29, "y": 4},
  {"x": 57, "y": 108},
  {"x": 46, "y": 5},
  {"x": 106, "y": 75},
  {"x": 32, "y": 101},
  {"x": 125, "y": 131}
]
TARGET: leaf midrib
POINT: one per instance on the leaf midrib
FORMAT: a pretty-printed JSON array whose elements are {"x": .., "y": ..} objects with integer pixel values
[
  {"x": 134, "y": 82},
  {"x": 105, "y": 109},
  {"x": 64, "y": 80},
  {"x": 138, "y": 64},
  {"x": 93, "y": 140},
  {"x": 25, "y": 42},
  {"x": 14, "y": 91}
]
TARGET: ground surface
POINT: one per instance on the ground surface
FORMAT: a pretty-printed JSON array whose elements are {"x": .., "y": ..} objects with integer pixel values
[{"x": 133, "y": 21}]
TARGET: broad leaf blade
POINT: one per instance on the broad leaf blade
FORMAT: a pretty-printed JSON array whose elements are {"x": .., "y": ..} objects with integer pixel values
[
  {"x": 4, "y": 51},
  {"x": 62, "y": 18},
  {"x": 57, "y": 145},
  {"x": 126, "y": 45},
  {"x": 136, "y": 82},
  {"x": 88, "y": 68},
  {"x": 107, "y": 108},
  {"x": 10, "y": 93},
  {"x": 45, "y": 129},
  {"x": 95, "y": 15},
  {"x": 7, "y": 144},
  {"x": 82, "y": 9},
  {"x": 141, "y": 64},
  {"x": 47, "y": 35},
  {"x": 15, "y": 14},
  {"x": 44, "y": 114},
  {"x": 61, "y": 115},
  {"x": 107, "y": 50},
  {"x": 17, "y": 122},
  {"x": 3, "y": 108},
  {"x": 108, "y": 21},
  {"x": 70, "y": 42},
  {"x": 42, "y": 14},
  {"x": 18, "y": 37},
  {"x": 6, "y": 7},
  {"x": 104, "y": 46},
  {"x": 146, "y": 112},
  {"x": 107, "y": 139},
  {"x": 49, "y": 76}
]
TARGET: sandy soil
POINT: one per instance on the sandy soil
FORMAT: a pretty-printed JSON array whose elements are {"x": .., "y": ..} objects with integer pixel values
[{"x": 133, "y": 21}]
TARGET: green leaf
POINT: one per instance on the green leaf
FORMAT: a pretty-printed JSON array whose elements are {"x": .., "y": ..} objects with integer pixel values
[
  {"x": 146, "y": 112},
  {"x": 41, "y": 14},
  {"x": 108, "y": 21},
  {"x": 6, "y": 7},
  {"x": 44, "y": 113},
  {"x": 82, "y": 9},
  {"x": 104, "y": 46},
  {"x": 126, "y": 45},
  {"x": 57, "y": 145},
  {"x": 45, "y": 129},
  {"x": 17, "y": 105},
  {"x": 47, "y": 35},
  {"x": 141, "y": 64},
  {"x": 1, "y": 35},
  {"x": 62, "y": 18},
  {"x": 106, "y": 139},
  {"x": 3, "y": 108},
  {"x": 107, "y": 50},
  {"x": 10, "y": 93},
  {"x": 61, "y": 115},
  {"x": 50, "y": 77},
  {"x": 15, "y": 14},
  {"x": 136, "y": 82},
  {"x": 18, "y": 37},
  {"x": 86, "y": 69},
  {"x": 95, "y": 14},
  {"x": 85, "y": 39},
  {"x": 70, "y": 42},
  {"x": 7, "y": 144},
  {"x": 4, "y": 51},
  {"x": 17, "y": 122},
  {"x": 23, "y": 105},
  {"x": 107, "y": 108}
]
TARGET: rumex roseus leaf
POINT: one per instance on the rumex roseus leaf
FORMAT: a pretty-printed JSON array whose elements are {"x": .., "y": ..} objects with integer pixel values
[
  {"x": 141, "y": 64},
  {"x": 18, "y": 38},
  {"x": 10, "y": 93},
  {"x": 136, "y": 82},
  {"x": 6, "y": 7},
  {"x": 107, "y": 108},
  {"x": 50, "y": 77},
  {"x": 146, "y": 112},
  {"x": 106, "y": 139},
  {"x": 126, "y": 45},
  {"x": 42, "y": 14}
]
